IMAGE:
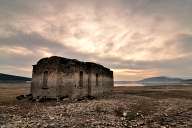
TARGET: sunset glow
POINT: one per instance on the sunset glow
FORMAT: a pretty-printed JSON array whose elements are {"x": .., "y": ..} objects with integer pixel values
[{"x": 134, "y": 38}]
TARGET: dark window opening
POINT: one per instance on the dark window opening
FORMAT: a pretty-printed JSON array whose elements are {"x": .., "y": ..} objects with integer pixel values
[
  {"x": 34, "y": 71},
  {"x": 97, "y": 79},
  {"x": 45, "y": 78},
  {"x": 81, "y": 79}
]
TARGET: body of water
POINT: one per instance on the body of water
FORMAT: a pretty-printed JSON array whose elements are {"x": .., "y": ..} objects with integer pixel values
[
  {"x": 150, "y": 84},
  {"x": 128, "y": 84}
]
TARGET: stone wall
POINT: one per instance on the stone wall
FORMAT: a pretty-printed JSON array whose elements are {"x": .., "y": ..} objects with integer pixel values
[
  {"x": 37, "y": 81},
  {"x": 69, "y": 78}
]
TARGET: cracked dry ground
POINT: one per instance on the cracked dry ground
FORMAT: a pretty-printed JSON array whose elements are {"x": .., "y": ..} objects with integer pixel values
[{"x": 129, "y": 107}]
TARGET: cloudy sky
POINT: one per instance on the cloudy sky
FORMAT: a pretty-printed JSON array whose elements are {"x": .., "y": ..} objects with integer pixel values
[{"x": 135, "y": 38}]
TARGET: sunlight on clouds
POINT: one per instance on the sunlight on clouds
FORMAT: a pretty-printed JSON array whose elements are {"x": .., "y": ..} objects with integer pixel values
[
  {"x": 115, "y": 31},
  {"x": 134, "y": 38},
  {"x": 133, "y": 74},
  {"x": 44, "y": 52},
  {"x": 127, "y": 40},
  {"x": 16, "y": 50}
]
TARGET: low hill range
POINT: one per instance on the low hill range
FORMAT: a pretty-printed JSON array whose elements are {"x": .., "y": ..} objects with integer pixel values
[
  {"x": 158, "y": 80},
  {"x": 5, "y": 78},
  {"x": 161, "y": 79},
  {"x": 188, "y": 81}
]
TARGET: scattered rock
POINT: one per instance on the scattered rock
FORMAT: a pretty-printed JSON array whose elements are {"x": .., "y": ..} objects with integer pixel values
[{"x": 114, "y": 111}]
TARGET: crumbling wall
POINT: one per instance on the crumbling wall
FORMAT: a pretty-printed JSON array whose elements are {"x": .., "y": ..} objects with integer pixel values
[
  {"x": 107, "y": 82},
  {"x": 96, "y": 81},
  {"x": 80, "y": 89},
  {"x": 64, "y": 83},
  {"x": 69, "y": 78},
  {"x": 101, "y": 79},
  {"x": 37, "y": 87}
]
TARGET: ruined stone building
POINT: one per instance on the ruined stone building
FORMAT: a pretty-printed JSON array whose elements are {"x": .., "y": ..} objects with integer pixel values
[{"x": 57, "y": 77}]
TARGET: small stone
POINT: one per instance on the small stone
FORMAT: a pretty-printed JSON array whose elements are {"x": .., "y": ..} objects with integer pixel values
[
  {"x": 52, "y": 124},
  {"x": 124, "y": 114},
  {"x": 3, "y": 126},
  {"x": 51, "y": 117},
  {"x": 45, "y": 125}
]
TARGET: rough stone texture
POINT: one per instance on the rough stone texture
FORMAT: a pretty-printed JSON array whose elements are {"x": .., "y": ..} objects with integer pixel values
[
  {"x": 113, "y": 111},
  {"x": 56, "y": 77}
]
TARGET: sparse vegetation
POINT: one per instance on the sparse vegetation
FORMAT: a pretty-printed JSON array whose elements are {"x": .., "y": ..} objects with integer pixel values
[
  {"x": 119, "y": 111},
  {"x": 134, "y": 107},
  {"x": 9, "y": 92},
  {"x": 98, "y": 109}
]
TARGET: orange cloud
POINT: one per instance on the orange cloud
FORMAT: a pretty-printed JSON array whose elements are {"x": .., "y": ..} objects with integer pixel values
[
  {"x": 132, "y": 35},
  {"x": 22, "y": 51},
  {"x": 134, "y": 74}
]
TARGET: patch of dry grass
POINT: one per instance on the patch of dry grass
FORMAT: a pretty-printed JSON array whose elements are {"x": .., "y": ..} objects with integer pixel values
[
  {"x": 158, "y": 92},
  {"x": 8, "y": 92},
  {"x": 126, "y": 106}
]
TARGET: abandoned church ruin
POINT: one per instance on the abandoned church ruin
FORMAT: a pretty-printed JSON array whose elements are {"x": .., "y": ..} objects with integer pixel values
[{"x": 57, "y": 77}]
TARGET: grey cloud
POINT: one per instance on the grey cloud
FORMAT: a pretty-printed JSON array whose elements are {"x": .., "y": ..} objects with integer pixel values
[
  {"x": 33, "y": 42},
  {"x": 158, "y": 10},
  {"x": 172, "y": 64},
  {"x": 178, "y": 11},
  {"x": 184, "y": 42}
]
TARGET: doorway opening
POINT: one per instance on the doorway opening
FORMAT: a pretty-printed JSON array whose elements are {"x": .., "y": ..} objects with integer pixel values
[
  {"x": 81, "y": 79},
  {"x": 89, "y": 84},
  {"x": 45, "y": 78},
  {"x": 97, "y": 80}
]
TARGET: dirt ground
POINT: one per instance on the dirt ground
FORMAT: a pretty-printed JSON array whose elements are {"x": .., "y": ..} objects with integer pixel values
[{"x": 125, "y": 107}]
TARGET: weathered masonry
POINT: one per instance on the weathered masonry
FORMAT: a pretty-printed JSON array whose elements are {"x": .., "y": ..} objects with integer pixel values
[{"x": 57, "y": 77}]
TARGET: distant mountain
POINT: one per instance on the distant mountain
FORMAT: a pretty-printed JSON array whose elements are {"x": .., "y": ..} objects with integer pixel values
[
  {"x": 188, "y": 81},
  {"x": 124, "y": 82},
  {"x": 161, "y": 79},
  {"x": 5, "y": 78}
]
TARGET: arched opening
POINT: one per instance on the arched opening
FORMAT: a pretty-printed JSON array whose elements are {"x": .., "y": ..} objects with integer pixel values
[
  {"x": 97, "y": 80},
  {"x": 45, "y": 78},
  {"x": 81, "y": 79}
]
